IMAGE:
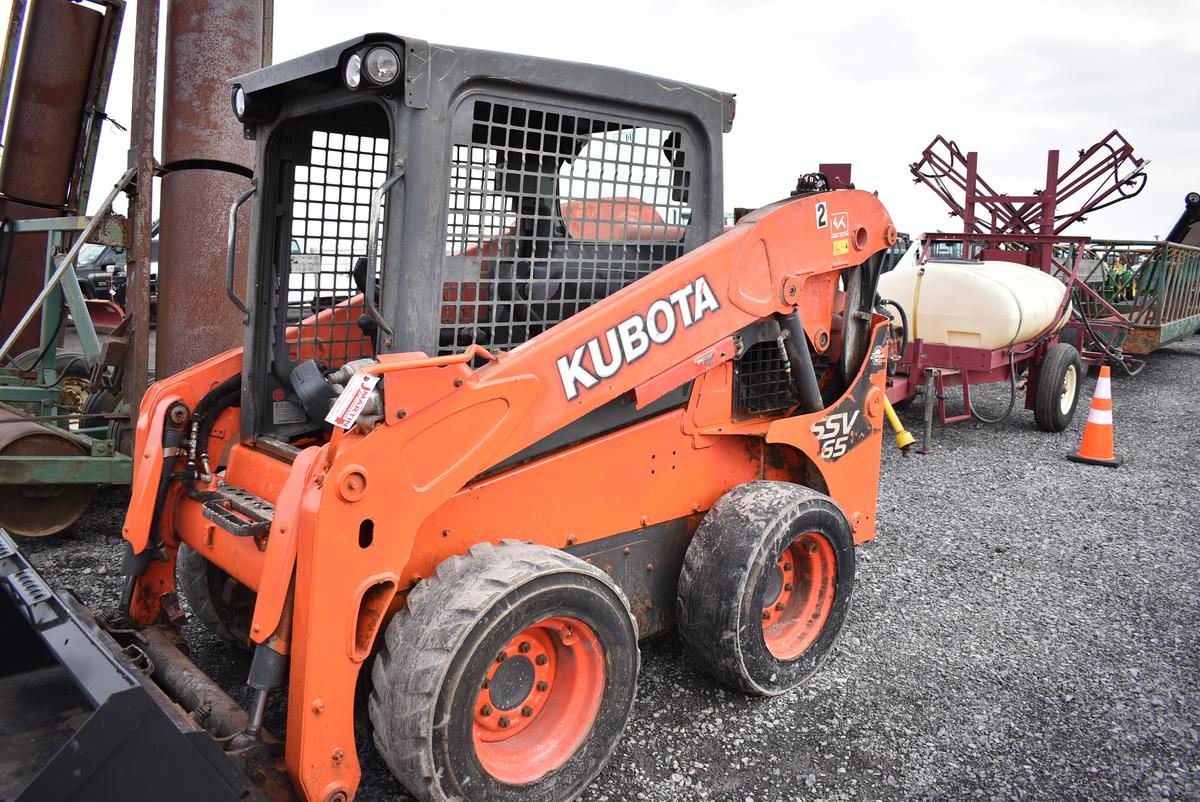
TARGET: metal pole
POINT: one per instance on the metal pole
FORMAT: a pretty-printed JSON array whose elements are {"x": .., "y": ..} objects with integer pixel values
[
  {"x": 1049, "y": 198},
  {"x": 930, "y": 400},
  {"x": 141, "y": 212}
]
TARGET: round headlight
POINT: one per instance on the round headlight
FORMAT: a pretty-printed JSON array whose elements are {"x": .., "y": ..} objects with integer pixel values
[
  {"x": 353, "y": 73},
  {"x": 383, "y": 65},
  {"x": 239, "y": 102}
]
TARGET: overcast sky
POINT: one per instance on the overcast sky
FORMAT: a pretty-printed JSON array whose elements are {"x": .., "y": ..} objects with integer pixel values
[{"x": 864, "y": 82}]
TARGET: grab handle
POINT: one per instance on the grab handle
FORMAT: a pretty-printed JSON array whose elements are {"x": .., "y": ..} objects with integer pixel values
[{"x": 231, "y": 252}]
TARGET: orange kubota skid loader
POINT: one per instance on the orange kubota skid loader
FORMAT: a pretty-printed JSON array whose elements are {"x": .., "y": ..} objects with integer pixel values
[{"x": 509, "y": 402}]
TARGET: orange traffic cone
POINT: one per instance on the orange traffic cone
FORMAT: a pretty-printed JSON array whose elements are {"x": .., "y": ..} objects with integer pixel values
[{"x": 1097, "y": 445}]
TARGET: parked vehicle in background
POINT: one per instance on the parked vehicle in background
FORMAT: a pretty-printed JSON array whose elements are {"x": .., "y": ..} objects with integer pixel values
[{"x": 120, "y": 276}]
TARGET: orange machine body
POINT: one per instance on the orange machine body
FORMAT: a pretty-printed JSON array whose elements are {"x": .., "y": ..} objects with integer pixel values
[{"x": 362, "y": 516}]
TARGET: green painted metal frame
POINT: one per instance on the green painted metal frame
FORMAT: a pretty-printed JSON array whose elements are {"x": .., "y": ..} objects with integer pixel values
[
  {"x": 1156, "y": 290},
  {"x": 82, "y": 470},
  {"x": 65, "y": 238},
  {"x": 102, "y": 465}
]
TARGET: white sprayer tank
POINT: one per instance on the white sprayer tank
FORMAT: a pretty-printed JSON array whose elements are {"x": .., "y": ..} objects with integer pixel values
[{"x": 973, "y": 304}]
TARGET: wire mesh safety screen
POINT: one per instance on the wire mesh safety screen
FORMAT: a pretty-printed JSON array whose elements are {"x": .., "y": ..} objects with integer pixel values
[
  {"x": 331, "y": 208},
  {"x": 761, "y": 384},
  {"x": 549, "y": 211}
]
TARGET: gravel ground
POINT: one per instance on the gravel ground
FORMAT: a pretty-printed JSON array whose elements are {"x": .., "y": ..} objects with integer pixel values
[{"x": 1024, "y": 628}]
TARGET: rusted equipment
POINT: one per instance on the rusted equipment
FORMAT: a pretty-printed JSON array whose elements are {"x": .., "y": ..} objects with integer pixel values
[
  {"x": 54, "y": 451},
  {"x": 49, "y": 97},
  {"x": 141, "y": 203},
  {"x": 208, "y": 42},
  {"x": 52, "y": 127},
  {"x": 45, "y": 507},
  {"x": 1153, "y": 286},
  {"x": 195, "y": 319},
  {"x": 209, "y": 162}
]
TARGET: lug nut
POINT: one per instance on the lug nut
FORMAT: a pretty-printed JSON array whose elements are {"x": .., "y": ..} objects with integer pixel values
[
  {"x": 766, "y": 615},
  {"x": 812, "y": 548},
  {"x": 787, "y": 585},
  {"x": 486, "y": 683},
  {"x": 526, "y": 711},
  {"x": 504, "y": 722},
  {"x": 541, "y": 660},
  {"x": 524, "y": 647},
  {"x": 486, "y": 710},
  {"x": 787, "y": 566},
  {"x": 500, "y": 658},
  {"x": 778, "y": 606},
  {"x": 543, "y": 685}
]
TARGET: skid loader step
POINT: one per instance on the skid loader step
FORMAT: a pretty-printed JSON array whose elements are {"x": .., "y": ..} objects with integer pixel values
[{"x": 239, "y": 512}]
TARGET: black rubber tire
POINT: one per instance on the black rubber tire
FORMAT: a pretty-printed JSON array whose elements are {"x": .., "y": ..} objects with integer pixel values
[
  {"x": 68, "y": 362},
  {"x": 1061, "y": 358},
  {"x": 223, "y": 605},
  {"x": 427, "y": 674},
  {"x": 719, "y": 606}
]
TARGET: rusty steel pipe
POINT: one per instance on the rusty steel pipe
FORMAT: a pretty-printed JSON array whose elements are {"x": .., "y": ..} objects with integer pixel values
[
  {"x": 208, "y": 42},
  {"x": 49, "y": 95},
  {"x": 191, "y": 688},
  {"x": 210, "y": 162},
  {"x": 195, "y": 317}
]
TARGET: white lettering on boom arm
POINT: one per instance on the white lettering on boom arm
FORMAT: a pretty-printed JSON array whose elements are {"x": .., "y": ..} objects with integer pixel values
[{"x": 633, "y": 337}]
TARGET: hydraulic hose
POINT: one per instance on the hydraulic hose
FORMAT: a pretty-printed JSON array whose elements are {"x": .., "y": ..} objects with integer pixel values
[{"x": 805, "y": 375}]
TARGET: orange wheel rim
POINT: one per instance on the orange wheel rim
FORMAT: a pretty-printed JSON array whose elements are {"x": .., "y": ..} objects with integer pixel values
[
  {"x": 798, "y": 596},
  {"x": 538, "y": 700}
]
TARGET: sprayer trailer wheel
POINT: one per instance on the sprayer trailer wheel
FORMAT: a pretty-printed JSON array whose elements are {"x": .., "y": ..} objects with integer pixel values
[
  {"x": 766, "y": 586},
  {"x": 508, "y": 676},
  {"x": 1057, "y": 393}
]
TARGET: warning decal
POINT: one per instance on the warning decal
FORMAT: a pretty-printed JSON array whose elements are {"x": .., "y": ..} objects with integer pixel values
[{"x": 841, "y": 246}]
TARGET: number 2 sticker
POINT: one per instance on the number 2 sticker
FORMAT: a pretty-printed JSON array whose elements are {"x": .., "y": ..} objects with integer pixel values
[{"x": 822, "y": 215}]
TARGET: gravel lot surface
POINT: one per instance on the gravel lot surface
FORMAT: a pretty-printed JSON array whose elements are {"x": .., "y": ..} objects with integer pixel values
[{"x": 1024, "y": 628}]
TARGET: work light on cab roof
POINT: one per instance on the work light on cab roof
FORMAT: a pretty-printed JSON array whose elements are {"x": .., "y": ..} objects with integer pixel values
[{"x": 372, "y": 67}]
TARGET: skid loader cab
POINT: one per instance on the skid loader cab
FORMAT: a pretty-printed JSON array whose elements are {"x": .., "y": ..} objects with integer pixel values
[
  {"x": 588, "y": 415},
  {"x": 516, "y": 192}
]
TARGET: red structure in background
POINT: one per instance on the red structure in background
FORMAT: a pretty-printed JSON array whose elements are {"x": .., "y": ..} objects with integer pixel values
[
  {"x": 1024, "y": 228},
  {"x": 1027, "y": 229}
]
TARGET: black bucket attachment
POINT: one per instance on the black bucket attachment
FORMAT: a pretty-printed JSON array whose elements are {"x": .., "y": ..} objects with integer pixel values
[{"x": 81, "y": 720}]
